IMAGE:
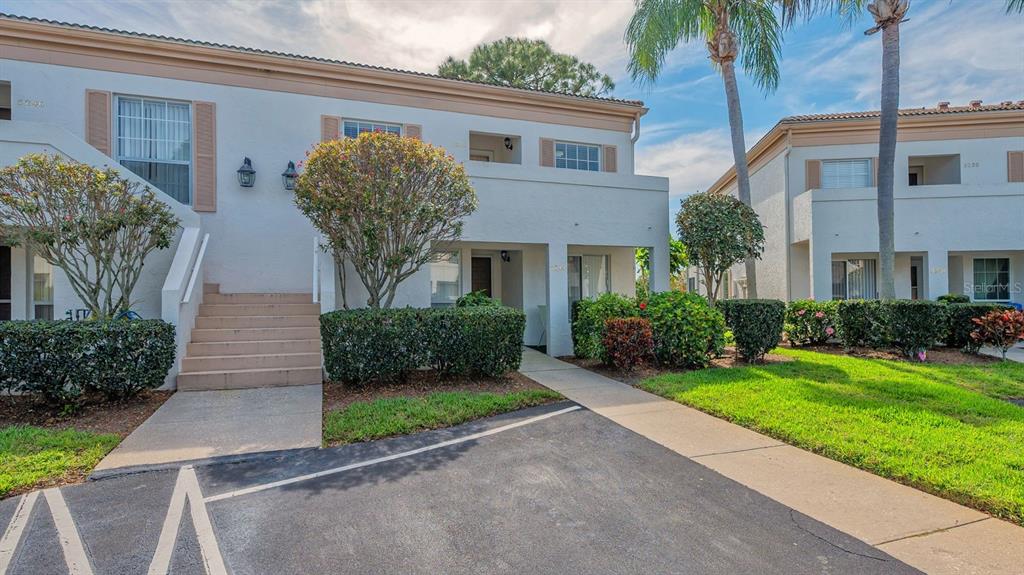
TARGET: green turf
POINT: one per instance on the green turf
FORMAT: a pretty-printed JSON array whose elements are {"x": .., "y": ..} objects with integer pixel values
[
  {"x": 33, "y": 455},
  {"x": 364, "y": 421},
  {"x": 940, "y": 428}
]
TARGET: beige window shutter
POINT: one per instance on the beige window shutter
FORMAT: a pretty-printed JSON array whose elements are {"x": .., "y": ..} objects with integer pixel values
[
  {"x": 330, "y": 128},
  {"x": 412, "y": 131},
  {"x": 547, "y": 152},
  {"x": 610, "y": 159},
  {"x": 204, "y": 162},
  {"x": 812, "y": 168},
  {"x": 1015, "y": 166},
  {"x": 874, "y": 172},
  {"x": 97, "y": 120}
]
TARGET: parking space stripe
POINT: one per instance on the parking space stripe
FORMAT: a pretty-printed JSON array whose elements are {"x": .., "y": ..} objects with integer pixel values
[
  {"x": 186, "y": 488},
  {"x": 67, "y": 533},
  {"x": 9, "y": 541},
  {"x": 326, "y": 472}
]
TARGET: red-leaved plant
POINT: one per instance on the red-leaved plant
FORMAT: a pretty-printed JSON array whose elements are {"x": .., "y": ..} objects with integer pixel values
[
  {"x": 628, "y": 342},
  {"x": 999, "y": 329}
]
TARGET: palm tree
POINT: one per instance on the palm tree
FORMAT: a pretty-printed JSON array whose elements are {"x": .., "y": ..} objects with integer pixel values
[{"x": 747, "y": 29}]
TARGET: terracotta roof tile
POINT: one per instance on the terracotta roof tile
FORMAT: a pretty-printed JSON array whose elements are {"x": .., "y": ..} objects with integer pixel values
[{"x": 938, "y": 110}]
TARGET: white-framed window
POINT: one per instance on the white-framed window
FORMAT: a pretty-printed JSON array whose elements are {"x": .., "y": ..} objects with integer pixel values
[
  {"x": 445, "y": 279},
  {"x": 154, "y": 140},
  {"x": 586, "y": 157},
  {"x": 42, "y": 288},
  {"x": 5, "y": 283},
  {"x": 992, "y": 279},
  {"x": 353, "y": 128},
  {"x": 846, "y": 173},
  {"x": 589, "y": 277},
  {"x": 854, "y": 279}
]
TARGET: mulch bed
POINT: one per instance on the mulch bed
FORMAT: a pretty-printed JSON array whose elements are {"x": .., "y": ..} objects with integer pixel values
[
  {"x": 94, "y": 414},
  {"x": 938, "y": 355},
  {"x": 421, "y": 383}
]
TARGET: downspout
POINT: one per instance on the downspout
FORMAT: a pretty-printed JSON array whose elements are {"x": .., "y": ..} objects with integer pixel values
[
  {"x": 789, "y": 218},
  {"x": 636, "y": 128}
]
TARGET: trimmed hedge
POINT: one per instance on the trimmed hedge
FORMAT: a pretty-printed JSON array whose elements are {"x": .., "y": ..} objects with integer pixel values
[
  {"x": 628, "y": 342},
  {"x": 756, "y": 325},
  {"x": 477, "y": 299},
  {"x": 810, "y": 322},
  {"x": 912, "y": 326},
  {"x": 953, "y": 298},
  {"x": 960, "y": 324},
  {"x": 688, "y": 332},
  {"x": 385, "y": 344},
  {"x": 60, "y": 359},
  {"x": 859, "y": 323},
  {"x": 589, "y": 321}
]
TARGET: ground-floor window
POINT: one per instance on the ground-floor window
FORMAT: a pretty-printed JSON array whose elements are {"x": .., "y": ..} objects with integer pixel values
[
  {"x": 992, "y": 279},
  {"x": 854, "y": 279},
  {"x": 445, "y": 279},
  {"x": 5, "y": 282},
  {"x": 589, "y": 277},
  {"x": 42, "y": 288}
]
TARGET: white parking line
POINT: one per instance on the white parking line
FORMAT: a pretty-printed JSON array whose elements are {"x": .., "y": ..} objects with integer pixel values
[
  {"x": 326, "y": 472},
  {"x": 186, "y": 488},
  {"x": 9, "y": 542},
  {"x": 67, "y": 533}
]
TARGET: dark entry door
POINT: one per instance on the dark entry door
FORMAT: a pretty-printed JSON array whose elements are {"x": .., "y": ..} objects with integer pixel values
[
  {"x": 5, "y": 282},
  {"x": 482, "y": 275}
]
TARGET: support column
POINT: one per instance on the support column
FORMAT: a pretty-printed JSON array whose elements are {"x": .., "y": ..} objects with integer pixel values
[
  {"x": 559, "y": 335},
  {"x": 328, "y": 280},
  {"x": 937, "y": 264},
  {"x": 821, "y": 273},
  {"x": 660, "y": 273}
]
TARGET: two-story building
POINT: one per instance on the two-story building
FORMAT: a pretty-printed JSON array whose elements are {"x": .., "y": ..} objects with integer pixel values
[
  {"x": 560, "y": 208},
  {"x": 959, "y": 205}
]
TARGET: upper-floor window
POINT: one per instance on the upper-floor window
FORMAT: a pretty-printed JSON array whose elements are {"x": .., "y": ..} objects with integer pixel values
[
  {"x": 154, "y": 140},
  {"x": 353, "y": 128},
  {"x": 574, "y": 156},
  {"x": 992, "y": 279},
  {"x": 846, "y": 173}
]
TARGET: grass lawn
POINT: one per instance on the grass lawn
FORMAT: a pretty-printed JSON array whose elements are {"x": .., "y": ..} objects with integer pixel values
[
  {"x": 36, "y": 457},
  {"x": 939, "y": 428},
  {"x": 368, "y": 420}
]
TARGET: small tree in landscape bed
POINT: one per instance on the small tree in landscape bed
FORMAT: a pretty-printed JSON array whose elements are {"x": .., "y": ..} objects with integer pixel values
[
  {"x": 385, "y": 203},
  {"x": 719, "y": 232},
  {"x": 95, "y": 225}
]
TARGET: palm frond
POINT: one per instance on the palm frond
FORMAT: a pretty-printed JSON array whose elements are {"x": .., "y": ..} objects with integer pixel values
[
  {"x": 1014, "y": 6},
  {"x": 759, "y": 35},
  {"x": 656, "y": 28},
  {"x": 847, "y": 10}
]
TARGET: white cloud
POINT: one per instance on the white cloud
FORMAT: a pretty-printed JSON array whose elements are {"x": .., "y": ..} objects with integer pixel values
[{"x": 692, "y": 161}]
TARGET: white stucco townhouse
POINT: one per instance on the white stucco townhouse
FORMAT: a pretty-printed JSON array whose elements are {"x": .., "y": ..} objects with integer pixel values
[
  {"x": 959, "y": 205},
  {"x": 560, "y": 207}
]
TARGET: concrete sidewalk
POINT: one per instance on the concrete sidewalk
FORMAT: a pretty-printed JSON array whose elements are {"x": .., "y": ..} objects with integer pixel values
[
  {"x": 930, "y": 533},
  {"x": 195, "y": 425},
  {"x": 1015, "y": 353}
]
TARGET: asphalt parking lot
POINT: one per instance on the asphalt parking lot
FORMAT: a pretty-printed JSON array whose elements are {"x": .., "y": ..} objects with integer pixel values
[{"x": 555, "y": 489}]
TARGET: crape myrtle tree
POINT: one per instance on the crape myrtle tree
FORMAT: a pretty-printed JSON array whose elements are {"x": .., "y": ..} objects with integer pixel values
[
  {"x": 718, "y": 232},
  {"x": 385, "y": 203},
  {"x": 529, "y": 64},
  {"x": 92, "y": 223}
]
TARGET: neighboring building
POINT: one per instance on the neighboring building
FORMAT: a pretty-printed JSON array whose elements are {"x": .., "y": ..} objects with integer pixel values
[
  {"x": 560, "y": 208},
  {"x": 959, "y": 205}
]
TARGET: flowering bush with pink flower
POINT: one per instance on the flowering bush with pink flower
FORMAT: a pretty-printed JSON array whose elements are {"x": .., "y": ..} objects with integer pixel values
[{"x": 810, "y": 322}]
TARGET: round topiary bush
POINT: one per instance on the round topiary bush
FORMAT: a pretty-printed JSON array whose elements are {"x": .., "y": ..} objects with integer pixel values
[
  {"x": 688, "y": 332},
  {"x": 810, "y": 322},
  {"x": 628, "y": 342},
  {"x": 756, "y": 325}
]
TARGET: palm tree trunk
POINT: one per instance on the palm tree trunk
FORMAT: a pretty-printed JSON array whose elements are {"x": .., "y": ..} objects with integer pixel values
[
  {"x": 739, "y": 155},
  {"x": 887, "y": 158}
]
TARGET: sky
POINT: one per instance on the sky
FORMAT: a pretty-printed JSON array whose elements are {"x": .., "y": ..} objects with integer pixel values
[{"x": 956, "y": 51}]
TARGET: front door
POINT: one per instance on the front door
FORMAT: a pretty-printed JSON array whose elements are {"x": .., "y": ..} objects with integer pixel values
[
  {"x": 915, "y": 278},
  {"x": 5, "y": 282},
  {"x": 481, "y": 278}
]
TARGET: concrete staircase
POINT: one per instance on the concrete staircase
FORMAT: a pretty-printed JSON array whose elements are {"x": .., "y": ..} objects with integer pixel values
[{"x": 252, "y": 340}]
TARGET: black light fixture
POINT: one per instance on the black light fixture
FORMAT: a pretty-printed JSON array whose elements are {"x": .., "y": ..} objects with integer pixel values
[
  {"x": 505, "y": 257},
  {"x": 246, "y": 175},
  {"x": 289, "y": 175},
  {"x": 508, "y": 143}
]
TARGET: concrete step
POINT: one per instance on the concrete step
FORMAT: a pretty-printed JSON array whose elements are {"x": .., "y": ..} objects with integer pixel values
[
  {"x": 211, "y": 288},
  {"x": 249, "y": 378},
  {"x": 248, "y": 321},
  {"x": 258, "y": 361},
  {"x": 233, "y": 309},
  {"x": 272, "y": 346},
  {"x": 215, "y": 298},
  {"x": 254, "y": 334}
]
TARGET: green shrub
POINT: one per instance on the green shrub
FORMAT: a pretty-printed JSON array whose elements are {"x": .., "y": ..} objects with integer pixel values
[
  {"x": 912, "y": 326},
  {"x": 1001, "y": 329},
  {"x": 477, "y": 299},
  {"x": 960, "y": 324},
  {"x": 859, "y": 322},
  {"x": 953, "y": 298},
  {"x": 628, "y": 342},
  {"x": 385, "y": 344},
  {"x": 688, "y": 332},
  {"x": 810, "y": 322},
  {"x": 756, "y": 325},
  {"x": 481, "y": 340},
  {"x": 60, "y": 359},
  {"x": 589, "y": 318}
]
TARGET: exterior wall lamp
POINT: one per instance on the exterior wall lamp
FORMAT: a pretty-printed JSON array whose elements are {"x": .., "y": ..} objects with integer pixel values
[
  {"x": 288, "y": 176},
  {"x": 246, "y": 175},
  {"x": 508, "y": 143}
]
